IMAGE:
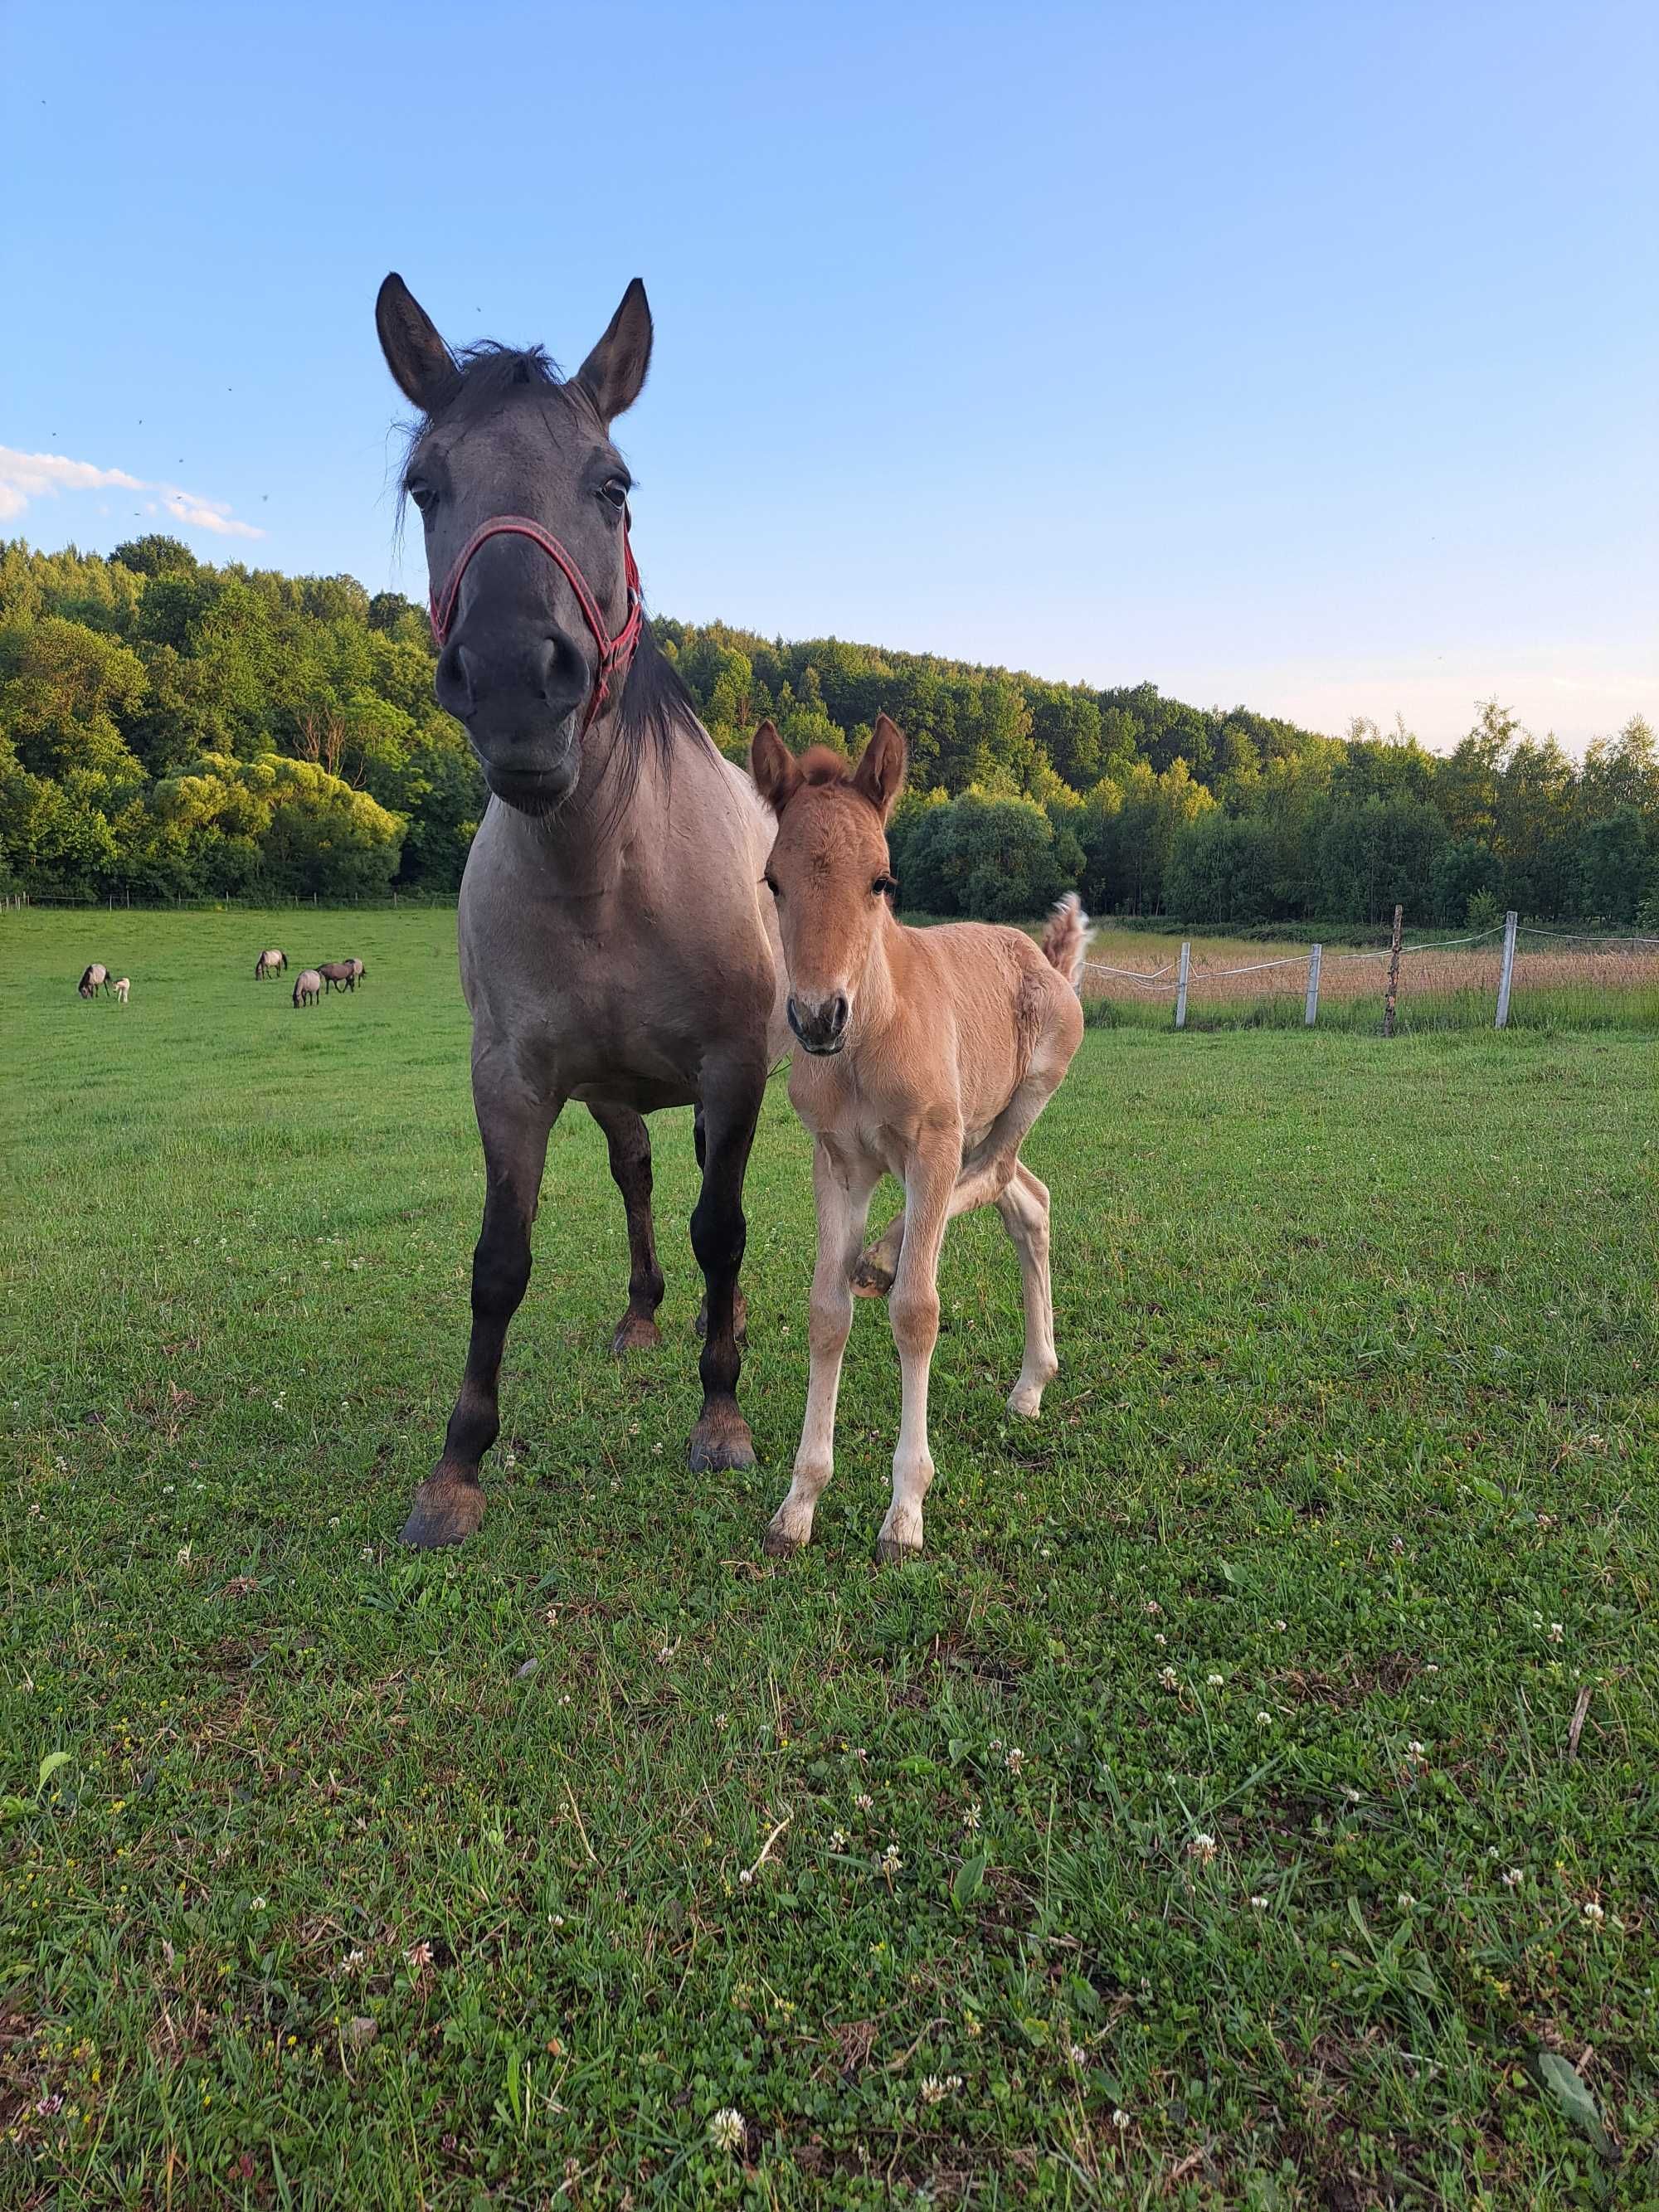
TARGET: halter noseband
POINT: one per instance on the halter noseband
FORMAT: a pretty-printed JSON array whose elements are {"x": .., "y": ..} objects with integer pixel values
[{"x": 614, "y": 652}]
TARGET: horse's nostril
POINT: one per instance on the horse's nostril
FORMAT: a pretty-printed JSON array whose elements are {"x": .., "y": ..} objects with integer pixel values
[
  {"x": 838, "y": 1014},
  {"x": 453, "y": 683}
]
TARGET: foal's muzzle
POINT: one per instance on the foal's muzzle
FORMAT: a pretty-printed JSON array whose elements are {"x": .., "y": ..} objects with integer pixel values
[{"x": 821, "y": 1024}]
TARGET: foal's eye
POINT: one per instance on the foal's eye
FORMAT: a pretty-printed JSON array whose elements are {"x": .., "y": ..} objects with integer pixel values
[
  {"x": 424, "y": 496},
  {"x": 614, "y": 492},
  {"x": 772, "y": 887},
  {"x": 885, "y": 887}
]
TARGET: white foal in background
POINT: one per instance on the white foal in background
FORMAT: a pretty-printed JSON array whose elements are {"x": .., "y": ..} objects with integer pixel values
[
  {"x": 123, "y": 986},
  {"x": 929, "y": 1054}
]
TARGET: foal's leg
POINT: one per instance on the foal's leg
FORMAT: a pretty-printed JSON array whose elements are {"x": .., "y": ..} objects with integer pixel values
[
  {"x": 731, "y": 1103},
  {"x": 630, "y": 1141},
  {"x": 1025, "y": 1210},
  {"x": 912, "y": 1309},
  {"x": 843, "y": 1207},
  {"x": 449, "y": 1504}
]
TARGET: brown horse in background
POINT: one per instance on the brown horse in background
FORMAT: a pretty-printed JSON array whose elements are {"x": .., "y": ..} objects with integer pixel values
[
  {"x": 340, "y": 975},
  {"x": 96, "y": 979}
]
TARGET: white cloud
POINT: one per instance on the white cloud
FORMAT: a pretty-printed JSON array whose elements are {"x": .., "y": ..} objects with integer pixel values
[{"x": 26, "y": 476}]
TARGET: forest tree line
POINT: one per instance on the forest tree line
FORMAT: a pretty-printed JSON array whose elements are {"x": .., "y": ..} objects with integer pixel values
[{"x": 169, "y": 729}]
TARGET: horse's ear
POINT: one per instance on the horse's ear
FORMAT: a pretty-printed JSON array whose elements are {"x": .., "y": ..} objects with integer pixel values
[
  {"x": 613, "y": 372},
  {"x": 420, "y": 362},
  {"x": 773, "y": 767},
  {"x": 879, "y": 775}
]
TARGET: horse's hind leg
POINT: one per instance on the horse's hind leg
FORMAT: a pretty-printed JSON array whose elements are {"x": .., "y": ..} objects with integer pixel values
[
  {"x": 629, "y": 1142},
  {"x": 731, "y": 1104},
  {"x": 449, "y": 1504},
  {"x": 1025, "y": 1210}
]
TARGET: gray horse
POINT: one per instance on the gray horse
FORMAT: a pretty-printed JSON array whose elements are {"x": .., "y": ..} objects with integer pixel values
[{"x": 616, "y": 948}]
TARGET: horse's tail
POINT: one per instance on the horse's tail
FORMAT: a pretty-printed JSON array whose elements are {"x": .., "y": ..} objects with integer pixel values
[
  {"x": 259, "y": 969},
  {"x": 1066, "y": 940}
]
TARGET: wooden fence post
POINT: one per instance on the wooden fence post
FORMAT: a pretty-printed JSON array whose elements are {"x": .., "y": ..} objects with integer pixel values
[
  {"x": 1312, "y": 1014},
  {"x": 1394, "y": 974},
  {"x": 1181, "y": 986},
  {"x": 1506, "y": 978}
]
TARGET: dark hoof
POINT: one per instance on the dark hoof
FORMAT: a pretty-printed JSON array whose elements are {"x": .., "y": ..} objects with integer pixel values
[
  {"x": 739, "y": 1318},
  {"x": 720, "y": 1439},
  {"x": 446, "y": 1510},
  {"x": 871, "y": 1277},
  {"x": 781, "y": 1547},
  {"x": 635, "y": 1332},
  {"x": 891, "y": 1553}
]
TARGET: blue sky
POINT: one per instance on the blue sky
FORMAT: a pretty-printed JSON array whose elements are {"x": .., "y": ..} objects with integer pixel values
[{"x": 1303, "y": 356}]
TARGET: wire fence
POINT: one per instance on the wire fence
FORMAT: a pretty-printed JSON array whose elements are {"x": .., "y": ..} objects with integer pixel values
[{"x": 1513, "y": 973}]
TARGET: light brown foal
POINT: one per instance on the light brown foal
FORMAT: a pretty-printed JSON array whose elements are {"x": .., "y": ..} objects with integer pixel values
[{"x": 929, "y": 1054}]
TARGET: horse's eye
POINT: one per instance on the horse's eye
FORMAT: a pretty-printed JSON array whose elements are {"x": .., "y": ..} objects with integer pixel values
[
  {"x": 883, "y": 887},
  {"x": 423, "y": 496},
  {"x": 614, "y": 492},
  {"x": 772, "y": 887}
]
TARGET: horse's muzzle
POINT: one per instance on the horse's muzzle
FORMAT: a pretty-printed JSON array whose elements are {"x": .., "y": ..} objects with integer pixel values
[{"x": 821, "y": 1027}]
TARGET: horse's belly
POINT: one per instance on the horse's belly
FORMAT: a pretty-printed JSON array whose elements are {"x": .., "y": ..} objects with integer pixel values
[{"x": 646, "y": 1094}]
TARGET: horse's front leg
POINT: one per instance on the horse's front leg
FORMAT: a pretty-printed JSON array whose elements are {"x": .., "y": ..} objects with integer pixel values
[
  {"x": 913, "y": 1310},
  {"x": 842, "y": 1192},
  {"x": 449, "y": 1504},
  {"x": 731, "y": 1106},
  {"x": 630, "y": 1141}
]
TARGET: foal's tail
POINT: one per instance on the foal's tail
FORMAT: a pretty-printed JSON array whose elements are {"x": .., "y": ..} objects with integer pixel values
[{"x": 1066, "y": 940}]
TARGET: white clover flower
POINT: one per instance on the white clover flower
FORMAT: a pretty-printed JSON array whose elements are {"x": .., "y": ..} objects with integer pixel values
[
  {"x": 1280, "y": 1626},
  {"x": 1120, "y": 2120},
  {"x": 747, "y": 1877},
  {"x": 970, "y": 1817},
  {"x": 1169, "y": 1680},
  {"x": 933, "y": 2089},
  {"x": 1557, "y": 1632},
  {"x": 1415, "y": 1748},
  {"x": 890, "y": 1862},
  {"x": 838, "y": 1839},
  {"x": 1076, "y": 2054},
  {"x": 1513, "y": 1879},
  {"x": 1216, "y": 1681},
  {"x": 184, "y": 1555},
  {"x": 1405, "y": 1900},
  {"x": 1264, "y": 1720},
  {"x": 1593, "y": 1911},
  {"x": 1201, "y": 1848},
  {"x": 256, "y": 1905},
  {"x": 727, "y": 2128},
  {"x": 1015, "y": 1761},
  {"x": 1260, "y": 1904}
]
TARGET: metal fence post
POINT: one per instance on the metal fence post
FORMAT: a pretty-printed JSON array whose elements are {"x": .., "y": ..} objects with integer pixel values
[
  {"x": 1181, "y": 986},
  {"x": 1505, "y": 977},
  {"x": 1312, "y": 1014}
]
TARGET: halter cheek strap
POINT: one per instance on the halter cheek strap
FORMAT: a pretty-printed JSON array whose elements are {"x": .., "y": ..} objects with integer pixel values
[{"x": 614, "y": 652}]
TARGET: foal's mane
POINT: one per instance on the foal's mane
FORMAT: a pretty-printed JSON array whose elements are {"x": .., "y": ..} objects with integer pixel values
[{"x": 655, "y": 708}]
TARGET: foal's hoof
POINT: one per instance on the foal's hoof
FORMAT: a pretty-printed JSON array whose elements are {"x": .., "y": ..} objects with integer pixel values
[
  {"x": 447, "y": 1510},
  {"x": 872, "y": 1277},
  {"x": 635, "y": 1332},
  {"x": 891, "y": 1552},
  {"x": 777, "y": 1546},
  {"x": 720, "y": 1439},
  {"x": 739, "y": 1319}
]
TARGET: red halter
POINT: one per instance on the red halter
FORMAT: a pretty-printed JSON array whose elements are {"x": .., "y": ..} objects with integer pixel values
[{"x": 614, "y": 652}]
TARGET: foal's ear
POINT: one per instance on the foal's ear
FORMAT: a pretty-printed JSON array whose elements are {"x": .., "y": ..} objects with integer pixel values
[
  {"x": 613, "y": 372},
  {"x": 773, "y": 767},
  {"x": 879, "y": 775},
  {"x": 419, "y": 360}
]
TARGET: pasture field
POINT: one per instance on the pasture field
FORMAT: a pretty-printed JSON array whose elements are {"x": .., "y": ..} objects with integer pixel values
[{"x": 1249, "y": 1801}]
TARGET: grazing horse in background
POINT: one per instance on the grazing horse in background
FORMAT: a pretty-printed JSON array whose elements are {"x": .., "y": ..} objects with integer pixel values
[
  {"x": 615, "y": 946},
  {"x": 358, "y": 971},
  {"x": 271, "y": 961},
  {"x": 929, "y": 1054},
  {"x": 96, "y": 979},
  {"x": 340, "y": 975},
  {"x": 122, "y": 988},
  {"x": 307, "y": 987}
]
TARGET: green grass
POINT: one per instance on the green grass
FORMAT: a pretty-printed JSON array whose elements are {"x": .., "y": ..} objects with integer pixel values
[{"x": 1357, "y": 1403}]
